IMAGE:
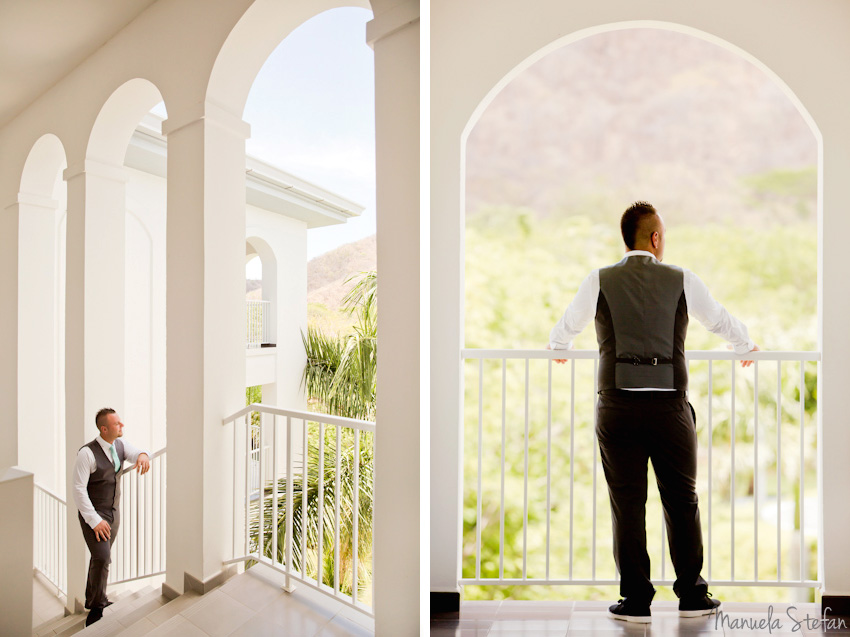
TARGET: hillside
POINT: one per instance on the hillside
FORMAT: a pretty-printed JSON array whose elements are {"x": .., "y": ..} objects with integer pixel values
[
  {"x": 327, "y": 273},
  {"x": 636, "y": 114}
]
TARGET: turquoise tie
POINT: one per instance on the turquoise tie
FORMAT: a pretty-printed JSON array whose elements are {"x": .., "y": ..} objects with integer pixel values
[{"x": 114, "y": 455}]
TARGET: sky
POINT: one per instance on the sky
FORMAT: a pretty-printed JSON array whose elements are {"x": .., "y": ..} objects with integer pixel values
[{"x": 312, "y": 113}]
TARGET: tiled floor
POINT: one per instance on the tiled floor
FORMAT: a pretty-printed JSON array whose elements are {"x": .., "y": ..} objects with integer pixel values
[
  {"x": 46, "y": 605},
  {"x": 574, "y": 619},
  {"x": 250, "y": 606},
  {"x": 246, "y": 605}
]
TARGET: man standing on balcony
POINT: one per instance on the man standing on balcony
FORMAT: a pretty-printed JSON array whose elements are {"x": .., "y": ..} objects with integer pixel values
[
  {"x": 641, "y": 308},
  {"x": 97, "y": 493}
]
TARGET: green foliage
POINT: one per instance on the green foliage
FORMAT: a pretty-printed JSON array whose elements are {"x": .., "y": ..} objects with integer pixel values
[
  {"x": 340, "y": 378},
  {"x": 341, "y": 372},
  {"x": 521, "y": 271},
  {"x": 307, "y": 499}
]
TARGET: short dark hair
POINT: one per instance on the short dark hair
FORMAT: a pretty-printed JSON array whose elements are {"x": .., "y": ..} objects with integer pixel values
[
  {"x": 632, "y": 220},
  {"x": 103, "y": 413}
]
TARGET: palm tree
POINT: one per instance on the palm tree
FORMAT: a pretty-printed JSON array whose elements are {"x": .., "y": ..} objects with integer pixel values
[{"x": 340, "y": 379}]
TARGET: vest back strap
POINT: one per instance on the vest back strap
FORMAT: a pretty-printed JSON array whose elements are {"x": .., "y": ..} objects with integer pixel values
[{"x": 636, "y": 360}]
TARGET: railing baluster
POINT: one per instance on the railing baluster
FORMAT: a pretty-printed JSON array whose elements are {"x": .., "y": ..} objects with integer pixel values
[
  {"x": 595, "y": 453},
  {"x": 356, "y": 507},
  {"x": 548, "y": 458},
  {"x": 275, "y": 538},
  {"x": 572, "y": 453},
  {"x": 502, "y": 506},
  {"x": 304, "y": 483},
  {"x": 321, "y": 496},
  {"x": 137, "y": 518},
  {"x": 802, "y": 471},
  {"x": 525, "y": 484},
  {"x": 732, "y": 487},
  {"x": 261, "y": 488},
  {"x": 248, "y": 455},
  {"x": 756, "y": 471},
  {"x": 290, "y": 514},
  {"x": 778, "y": 471},
  {"x": 479, "y": 492},
  {"x": 336, "y": 511},
  {"x": 710, "y": 435}
]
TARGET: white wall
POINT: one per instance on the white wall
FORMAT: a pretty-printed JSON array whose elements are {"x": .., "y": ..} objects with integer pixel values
[{"x": 144, "y": 302}]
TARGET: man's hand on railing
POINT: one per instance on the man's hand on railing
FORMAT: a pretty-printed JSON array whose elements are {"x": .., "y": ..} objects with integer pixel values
[
  {"x": 143, "y": 463},
  {"x": 748, "y": 363},
  {"x": 560, "y": 361}
]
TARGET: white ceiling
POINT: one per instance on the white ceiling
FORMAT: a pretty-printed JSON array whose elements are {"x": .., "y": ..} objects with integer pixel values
[{"x": 43, "y": 40}]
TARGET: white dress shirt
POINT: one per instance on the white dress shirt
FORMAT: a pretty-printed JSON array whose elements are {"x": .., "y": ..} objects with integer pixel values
[
  {"x": 85, "y": 466},
  {"x": 701, "y": 305}
]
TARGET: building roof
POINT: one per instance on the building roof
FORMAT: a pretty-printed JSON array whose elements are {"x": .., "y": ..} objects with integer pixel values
[{"x": 266, "y": 187}]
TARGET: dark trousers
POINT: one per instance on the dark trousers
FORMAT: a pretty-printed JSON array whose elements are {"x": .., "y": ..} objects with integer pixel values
[
  {"x": 631, "y": 431},
  {"x": 100, "y": 560}
]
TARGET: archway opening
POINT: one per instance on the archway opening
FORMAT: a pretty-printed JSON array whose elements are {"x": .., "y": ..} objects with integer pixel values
[
  {"x": 552, "y": 161},
  {"x": 313, "y": 96},
  {"x": 42, "y": 202}
]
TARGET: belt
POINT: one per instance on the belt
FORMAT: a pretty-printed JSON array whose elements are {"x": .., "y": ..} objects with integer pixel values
[
  {"x": 643, "y": 395},
  {"x": 636, "y": 360}
]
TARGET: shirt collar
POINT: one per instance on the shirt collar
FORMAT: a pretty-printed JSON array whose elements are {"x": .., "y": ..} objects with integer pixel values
[
  {"x": 640, "y": 253},
  {"x": 105, "y": 445}
]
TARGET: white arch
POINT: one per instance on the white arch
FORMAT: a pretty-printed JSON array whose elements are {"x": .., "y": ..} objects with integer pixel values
[
  {"x": 259, "y": 31},
  {"x": 118, "y": 118}
]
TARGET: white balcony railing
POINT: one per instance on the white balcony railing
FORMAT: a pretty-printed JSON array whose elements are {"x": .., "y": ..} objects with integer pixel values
[
  {"x": 51, "y": 533},
  {"x": 139, "y": 549},
  {"x": 259, "y": 322},
  {"x": 528, "y": 411},
  {"x": 312, "y": 535}
]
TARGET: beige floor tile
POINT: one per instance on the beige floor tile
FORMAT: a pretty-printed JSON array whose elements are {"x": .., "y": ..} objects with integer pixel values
[
  {"x": 294, "y": 617},
  {"x": 172, "y": 608},
  {"x": 341, "y": 625},
  {"x": 218, "y": 614},
  {"x": 251, "y": 591},
  {"x": 177, "y": 626},
  {"x": 139, "y": 628},
  {"x": 259, "y": 627}
]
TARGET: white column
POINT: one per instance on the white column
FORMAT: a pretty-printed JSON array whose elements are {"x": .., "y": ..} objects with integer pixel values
[
  {"x": 834, "y": 377},
  {"x": 9, "y": 336},
  {"x": 394, "y": 35},
  {"x": 94, "y": 325},
  {"x": 37, "y": 336},
  {"x": 16, "y": 558},
  {"x": 205, "y": 334}
]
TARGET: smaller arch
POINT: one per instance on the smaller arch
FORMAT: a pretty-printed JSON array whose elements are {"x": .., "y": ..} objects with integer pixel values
[
  {"x": 42, "y": 170},
  {"x": 118, "y": 118},
  {"x": 260, "y": 247}
]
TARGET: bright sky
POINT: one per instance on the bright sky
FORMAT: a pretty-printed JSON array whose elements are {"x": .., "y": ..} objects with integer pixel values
[{"x": 312, "y": 113}]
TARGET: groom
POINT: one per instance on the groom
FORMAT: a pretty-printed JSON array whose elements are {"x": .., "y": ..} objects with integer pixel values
[{"x": 97, "y": 493}]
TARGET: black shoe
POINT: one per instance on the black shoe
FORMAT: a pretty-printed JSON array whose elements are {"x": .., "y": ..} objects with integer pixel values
[
  {"x": 95, "y": 614},
  {"x": 698, "y": 606},
  {"x": 629, "y": 611}
]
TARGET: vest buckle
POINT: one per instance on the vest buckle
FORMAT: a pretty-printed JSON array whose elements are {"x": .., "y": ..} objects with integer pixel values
[{"x": 655, "y": 361}]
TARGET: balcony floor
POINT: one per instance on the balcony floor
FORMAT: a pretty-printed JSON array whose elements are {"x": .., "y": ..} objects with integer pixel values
[{"x": 574, "y": 619}]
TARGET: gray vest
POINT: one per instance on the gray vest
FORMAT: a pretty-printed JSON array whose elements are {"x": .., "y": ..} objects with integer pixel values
[
  {"x": 104, "y": 487},
  {"x": 641, "y": 323}
]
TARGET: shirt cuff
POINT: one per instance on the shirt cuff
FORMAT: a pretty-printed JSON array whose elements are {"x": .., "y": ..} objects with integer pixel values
[
  {"x": 744, "y": 348},
  {"x": 559, "y": 346},
  {"x": 92, "y": 519}
]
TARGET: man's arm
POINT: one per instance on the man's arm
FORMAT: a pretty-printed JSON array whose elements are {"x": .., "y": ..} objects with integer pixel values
[
  {"x": 577, "y": 315},
  {"x": 82, "y": 471},
  {"x": 140, "y": 458},
  {"x": 716, "y": 318}
]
